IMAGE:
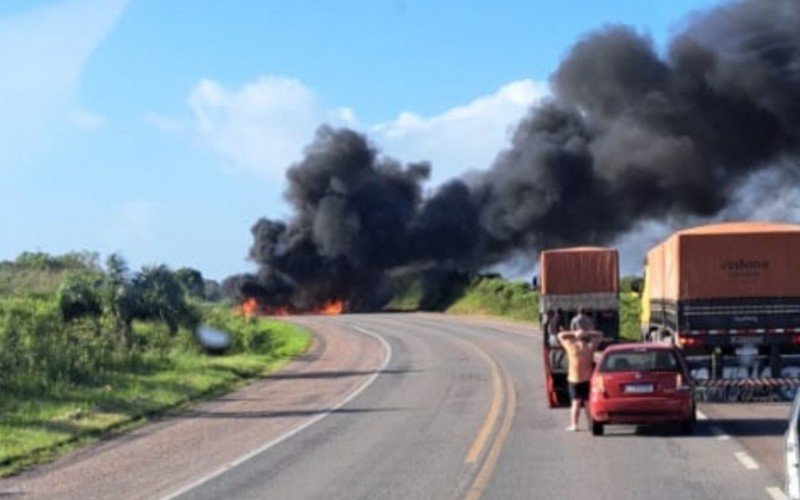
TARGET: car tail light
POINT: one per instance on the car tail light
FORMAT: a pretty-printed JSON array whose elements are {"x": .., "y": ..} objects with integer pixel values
[
  {"x": 599, "y": 386},
  {"x": 796, "y": 339},
  {"x": 680, "y": 385}
]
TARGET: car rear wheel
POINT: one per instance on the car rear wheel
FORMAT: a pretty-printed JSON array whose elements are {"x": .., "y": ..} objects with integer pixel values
[
  {"x": 687, "y": 426},
  {"x": 597, "y": 428}
]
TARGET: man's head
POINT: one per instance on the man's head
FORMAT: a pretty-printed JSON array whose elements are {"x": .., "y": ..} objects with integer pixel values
[{"x": 582, "y": 310}]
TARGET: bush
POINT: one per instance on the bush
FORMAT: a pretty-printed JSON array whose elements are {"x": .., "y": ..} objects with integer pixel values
[
  {"x": 38, "y": 347},
  {"x": 248, "y": 334},
  {"x": 78, "y": 296}
]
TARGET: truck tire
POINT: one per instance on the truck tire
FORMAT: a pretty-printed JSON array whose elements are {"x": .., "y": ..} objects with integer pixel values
[{"x": 597, "y": 428}]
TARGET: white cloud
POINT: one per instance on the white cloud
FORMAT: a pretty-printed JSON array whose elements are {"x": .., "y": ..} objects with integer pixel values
[
  {"x": 43, "y": 53},
  {"x": 85, "y": 119},
  {"x": 464, "y": 137},
  {"x": 264, "y": 125}
]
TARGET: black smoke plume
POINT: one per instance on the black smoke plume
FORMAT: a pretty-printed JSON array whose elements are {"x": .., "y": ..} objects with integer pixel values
[{"x": 629, "y": 135}]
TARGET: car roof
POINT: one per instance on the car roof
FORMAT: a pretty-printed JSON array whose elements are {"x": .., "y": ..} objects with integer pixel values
[{"x": 638, "y": 346}]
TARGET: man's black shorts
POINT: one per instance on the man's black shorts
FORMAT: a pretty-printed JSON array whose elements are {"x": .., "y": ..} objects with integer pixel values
[{"x": 579, "y": 391}]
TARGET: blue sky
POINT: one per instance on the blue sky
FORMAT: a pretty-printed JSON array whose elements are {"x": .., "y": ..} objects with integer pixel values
[{"x": 162, "y": 129}]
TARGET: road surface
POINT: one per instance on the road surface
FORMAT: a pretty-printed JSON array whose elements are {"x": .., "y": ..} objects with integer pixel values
[{"x": 416, "y": 406}]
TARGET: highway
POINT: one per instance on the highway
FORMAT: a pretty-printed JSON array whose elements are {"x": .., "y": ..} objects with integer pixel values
[{"x": 416, "y": 406}]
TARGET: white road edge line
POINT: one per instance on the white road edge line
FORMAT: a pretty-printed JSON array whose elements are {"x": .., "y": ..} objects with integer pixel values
[
  {"x": 746, "y": 460},
  {"x": 701, "y": 415},
  {"x": 776, "y": 493},
  {"x": 387, "y": 349}
]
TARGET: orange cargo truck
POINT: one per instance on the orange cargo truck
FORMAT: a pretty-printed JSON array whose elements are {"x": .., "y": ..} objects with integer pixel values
[
  {"x": 568, "y": 279},
  {"x": 729, "y": 296}
]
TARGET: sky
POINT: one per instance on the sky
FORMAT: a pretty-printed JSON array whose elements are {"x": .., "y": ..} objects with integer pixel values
[{"x": 162, "y": 130}]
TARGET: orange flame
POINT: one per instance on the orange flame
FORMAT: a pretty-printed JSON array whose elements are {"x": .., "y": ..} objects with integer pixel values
[
  {"x": 249, "y": 307},
  {"x": 332, "y": 307},
  {"x": 281, "y": 311}
]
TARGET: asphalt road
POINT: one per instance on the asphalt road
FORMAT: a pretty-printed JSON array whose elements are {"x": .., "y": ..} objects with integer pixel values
[
  {"x": 460, "y": 412},
  {"x": 434, "y": 407}
]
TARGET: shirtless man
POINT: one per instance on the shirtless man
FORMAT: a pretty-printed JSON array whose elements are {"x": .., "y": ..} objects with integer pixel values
[{"x": 579, "y": 346}]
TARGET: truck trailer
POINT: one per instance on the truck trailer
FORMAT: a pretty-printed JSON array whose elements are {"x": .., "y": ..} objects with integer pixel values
[
  {"x": 729, "y": 296},
  {"x": 570, "y": 278}
]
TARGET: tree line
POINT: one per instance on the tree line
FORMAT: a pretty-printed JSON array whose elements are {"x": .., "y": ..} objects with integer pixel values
[{"x": 70, "y": 318}]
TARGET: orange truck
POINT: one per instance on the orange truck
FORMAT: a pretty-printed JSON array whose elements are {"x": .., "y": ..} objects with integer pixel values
[
  {"x": 570, "y": 278},
  {"x": 729, "y": 296}
]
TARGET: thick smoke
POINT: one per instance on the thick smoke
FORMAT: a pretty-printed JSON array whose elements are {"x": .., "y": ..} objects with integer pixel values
[{"x": 630, "y": 136}]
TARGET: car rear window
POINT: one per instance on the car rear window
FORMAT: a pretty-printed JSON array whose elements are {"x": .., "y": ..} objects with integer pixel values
[{"x": 640, "y": 361}]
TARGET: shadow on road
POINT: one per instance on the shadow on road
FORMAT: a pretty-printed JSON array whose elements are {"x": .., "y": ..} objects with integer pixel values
[
  {"x": 752, "y": 426},
  {"x": 283, "y": 413},
  {"x": 733, "y": 427}
]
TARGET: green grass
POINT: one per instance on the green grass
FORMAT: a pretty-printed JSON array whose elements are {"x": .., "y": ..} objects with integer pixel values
[
  {"x": 408, "y": 294},
  {"x": 37, "y": 427},
  {"x": 498, "y": 297},
  {"x": 630, "y": 306}
]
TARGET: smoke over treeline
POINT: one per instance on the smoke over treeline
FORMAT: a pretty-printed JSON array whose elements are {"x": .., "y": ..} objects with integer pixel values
[{"x": 629, "y": 135}]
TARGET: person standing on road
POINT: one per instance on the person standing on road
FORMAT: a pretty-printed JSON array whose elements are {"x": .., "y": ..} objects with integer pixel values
[
  {"x": 579, "y": 346},
  {"x": 581, "y": 321}
]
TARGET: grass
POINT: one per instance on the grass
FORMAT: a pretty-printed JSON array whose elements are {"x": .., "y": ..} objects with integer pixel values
[
  {"x": 498, "y": 297},
  {"x": 630, "y": 306},
  {"x": 38, "y": 427},
  {"x": 408, "y": 294}
]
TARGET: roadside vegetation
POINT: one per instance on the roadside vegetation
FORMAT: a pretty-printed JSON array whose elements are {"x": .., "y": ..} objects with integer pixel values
[
  {"x": 498, "y": 297},
  {"x": 87, "y": 349},
  {"x": 493, "y": 296}
]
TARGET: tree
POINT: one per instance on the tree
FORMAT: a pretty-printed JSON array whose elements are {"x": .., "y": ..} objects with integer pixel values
[
  {"x": 159, "y": 296},
  {"x": 191, "y": 280},
  {"x": 212, "y": 291},
  {"x": 119, "y": 297},
  {"x": 78, "y": 297}
]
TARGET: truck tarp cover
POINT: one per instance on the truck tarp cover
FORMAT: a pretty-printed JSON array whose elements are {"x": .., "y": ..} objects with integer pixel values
[
  {"x": 732, "y": 260},
  {"x": 579, "y": 270}
]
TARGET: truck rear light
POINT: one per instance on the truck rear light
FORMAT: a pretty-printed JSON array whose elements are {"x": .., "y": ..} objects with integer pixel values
[{"x": 689, "y": 341}]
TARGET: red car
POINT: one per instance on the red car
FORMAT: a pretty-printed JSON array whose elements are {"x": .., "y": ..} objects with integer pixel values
[{"x": 642, "y": 384}]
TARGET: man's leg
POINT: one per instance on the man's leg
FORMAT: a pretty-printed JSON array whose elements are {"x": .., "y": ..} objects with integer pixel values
[{"x": 574, "y": 412}]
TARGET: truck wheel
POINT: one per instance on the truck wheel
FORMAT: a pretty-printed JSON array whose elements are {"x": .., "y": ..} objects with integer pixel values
[{"x": 597, "y": 428}]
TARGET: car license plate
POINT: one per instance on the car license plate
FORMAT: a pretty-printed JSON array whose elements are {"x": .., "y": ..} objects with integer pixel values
[{"x": 638, "y": 388}]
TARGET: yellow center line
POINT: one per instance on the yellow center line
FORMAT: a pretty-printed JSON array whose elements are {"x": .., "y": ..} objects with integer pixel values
[
  {"x": 494, "y": 411},
  {"x": 486, "y": 470}
]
